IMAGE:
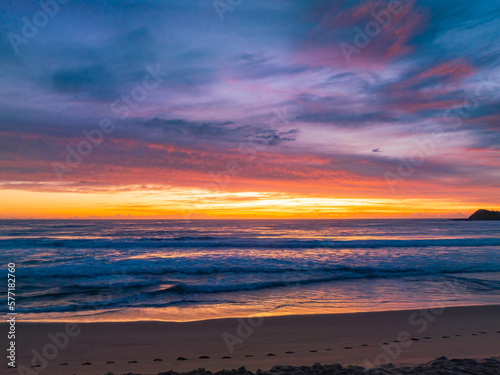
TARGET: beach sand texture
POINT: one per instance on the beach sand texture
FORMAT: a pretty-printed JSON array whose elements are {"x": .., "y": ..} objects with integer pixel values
[{"x": 403, "y": 338}]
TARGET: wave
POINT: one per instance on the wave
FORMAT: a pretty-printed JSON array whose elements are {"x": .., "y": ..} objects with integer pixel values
[
  {"x": 243, "y": 243},
  {"x": 103, "y": 288},
  {"x": 161, "y": 268},
  {"x": 108, "y": 301},
  {"x": 290, "y": 277},
  {"x": 473, "y": 284},
  {"x": 110, "y": 306},
  {"x": 182, "y": 288}
]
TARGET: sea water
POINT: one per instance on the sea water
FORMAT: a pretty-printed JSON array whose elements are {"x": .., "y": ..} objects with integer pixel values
[{"x": 178, "y": 270}]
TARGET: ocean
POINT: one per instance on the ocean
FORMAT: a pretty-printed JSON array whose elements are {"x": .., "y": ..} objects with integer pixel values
[{"x": 177, "y": 270}]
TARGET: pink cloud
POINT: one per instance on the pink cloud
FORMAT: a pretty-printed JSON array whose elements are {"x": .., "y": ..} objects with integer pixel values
[{"x": 323, "y": 47}]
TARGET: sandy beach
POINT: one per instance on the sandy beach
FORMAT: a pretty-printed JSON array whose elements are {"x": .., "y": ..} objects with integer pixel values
[{"x": 363, "y": 339}]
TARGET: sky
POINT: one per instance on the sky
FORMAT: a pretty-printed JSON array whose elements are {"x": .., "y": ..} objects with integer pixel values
[{"x": 249, "y": 109}]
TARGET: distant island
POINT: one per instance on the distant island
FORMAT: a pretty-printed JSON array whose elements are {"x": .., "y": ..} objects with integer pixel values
[{"x": 485, "y": 215}]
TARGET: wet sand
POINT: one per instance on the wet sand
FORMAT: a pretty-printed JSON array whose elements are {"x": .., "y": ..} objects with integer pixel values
[{"x": 364, "y": 339}]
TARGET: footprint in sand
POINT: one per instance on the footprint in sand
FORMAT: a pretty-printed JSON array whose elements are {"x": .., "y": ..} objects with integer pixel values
[
  {"x": 181, "y": 359},
  {"x": 203, "y": 357}
]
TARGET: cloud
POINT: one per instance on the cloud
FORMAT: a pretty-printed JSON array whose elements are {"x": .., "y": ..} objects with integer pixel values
[
  {"x": 374, "y": 32},
  {"x": 271, "y": 77},
  {"x": 93, "y": 80},
  {"x": 349, "y": 118}
]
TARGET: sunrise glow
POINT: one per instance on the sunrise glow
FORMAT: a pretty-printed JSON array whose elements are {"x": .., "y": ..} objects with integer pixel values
[{"x": 288, "y": 120}]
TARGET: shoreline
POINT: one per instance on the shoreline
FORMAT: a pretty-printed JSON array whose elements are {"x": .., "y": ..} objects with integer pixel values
[
  {"x": 80, "y": 321},
  {"x": 368, "y": 339}
]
